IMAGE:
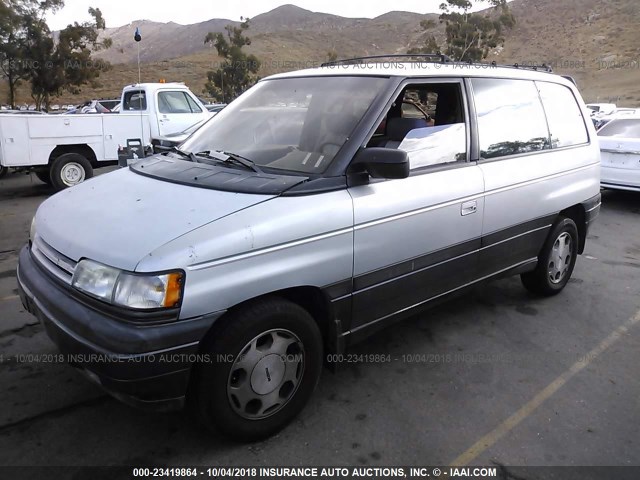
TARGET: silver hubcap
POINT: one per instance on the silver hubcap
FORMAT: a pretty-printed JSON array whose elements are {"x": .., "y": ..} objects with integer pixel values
[
  {"x": 72, "y": 173},
  {"x": 560, "y": 259},
  {"x": 266, "y": 374}
]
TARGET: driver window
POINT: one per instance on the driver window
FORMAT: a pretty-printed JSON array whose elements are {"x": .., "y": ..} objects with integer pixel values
[{"x": 428, "y": 122}]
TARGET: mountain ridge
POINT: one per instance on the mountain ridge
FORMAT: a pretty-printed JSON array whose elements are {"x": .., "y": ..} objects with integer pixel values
[{"x": 595, "y": 41}]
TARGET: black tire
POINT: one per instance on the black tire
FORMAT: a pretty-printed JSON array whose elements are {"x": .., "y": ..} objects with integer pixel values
[
  {"x": 554, "y": 266},
  {"x": 76, "y": 163},
  {"x": 3, "y": 171},
  {"x": 212, "y": 392},
  {"x": 43, "y": 175}
]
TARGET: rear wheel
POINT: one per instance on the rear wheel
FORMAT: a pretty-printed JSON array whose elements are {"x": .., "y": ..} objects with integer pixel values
[
  {"x": 264, "y": 362},
  {"x": 556, "y": 260},
  {"x": 70, "y": 169},
  {"x": 3, "y": 170}
]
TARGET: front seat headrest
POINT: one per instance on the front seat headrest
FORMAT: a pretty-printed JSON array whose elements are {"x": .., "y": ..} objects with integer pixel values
[{"x": 398, "y": 128}]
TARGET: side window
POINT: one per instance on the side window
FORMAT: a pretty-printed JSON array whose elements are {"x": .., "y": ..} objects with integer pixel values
[
  {"x": 511, "y": 119},
  {"x": 173, "y": 102},
  {"x": 564, "y": 116},
  {"x": 428, "y": 122},
  {"x": 135, "y": 100}
]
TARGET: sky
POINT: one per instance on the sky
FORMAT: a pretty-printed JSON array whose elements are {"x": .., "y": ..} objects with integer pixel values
[{"x": 123, "y": 12}]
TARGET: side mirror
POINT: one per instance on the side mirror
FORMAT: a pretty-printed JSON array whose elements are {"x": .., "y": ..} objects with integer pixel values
[{"x": 382, "y": 162}]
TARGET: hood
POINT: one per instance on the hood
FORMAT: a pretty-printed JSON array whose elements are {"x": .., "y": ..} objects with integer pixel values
[{"x": 120, "y": 217}]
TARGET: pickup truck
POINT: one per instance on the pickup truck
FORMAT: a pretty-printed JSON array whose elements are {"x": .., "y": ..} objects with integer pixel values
[{"x": 63, "y": 150}]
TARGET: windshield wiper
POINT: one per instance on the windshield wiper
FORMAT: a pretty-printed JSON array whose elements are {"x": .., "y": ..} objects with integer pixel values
[
  {"x": 188, "y": 155},
  {"x": 229, "y": 157}
]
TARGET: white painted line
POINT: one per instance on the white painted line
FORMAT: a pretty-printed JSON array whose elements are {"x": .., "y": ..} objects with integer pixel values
[{"x": 514, "y": 420}]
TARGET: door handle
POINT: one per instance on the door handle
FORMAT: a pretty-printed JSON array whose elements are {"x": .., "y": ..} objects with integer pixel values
[{"x": 469, "y": 208}]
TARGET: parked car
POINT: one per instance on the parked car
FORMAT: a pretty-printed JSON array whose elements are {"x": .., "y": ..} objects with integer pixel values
[
  {"x": 215, "y": 107},
  {"x": 64, "y": 149},
  {"x": 600, "y": 120},
  {"x": 602, "y": 108},
  {"x": 620, "y": 148},
  {"x": 286, "y": 229}
]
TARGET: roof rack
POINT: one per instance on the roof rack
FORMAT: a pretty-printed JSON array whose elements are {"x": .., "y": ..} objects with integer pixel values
[
  {"x": 543, "y": 67},
  {"x": 347, "y": 61},
  {"x": 435, "y": 56}
]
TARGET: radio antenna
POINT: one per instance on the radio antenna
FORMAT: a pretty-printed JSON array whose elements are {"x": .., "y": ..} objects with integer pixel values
[{"x": 138, "y": 37}]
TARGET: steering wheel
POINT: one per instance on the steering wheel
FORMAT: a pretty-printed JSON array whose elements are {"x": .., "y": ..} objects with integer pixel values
[{"x": 331, "y": 145}]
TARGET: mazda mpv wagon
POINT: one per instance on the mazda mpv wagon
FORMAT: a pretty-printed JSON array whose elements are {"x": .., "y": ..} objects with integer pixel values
[{"x": 318, "y": 207}]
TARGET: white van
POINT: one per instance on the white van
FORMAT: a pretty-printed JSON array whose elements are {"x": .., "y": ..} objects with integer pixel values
[{"x": 317, "y": 208}]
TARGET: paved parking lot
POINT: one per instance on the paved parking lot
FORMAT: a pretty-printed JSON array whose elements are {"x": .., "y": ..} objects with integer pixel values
[{"x": 497, "y": 378}]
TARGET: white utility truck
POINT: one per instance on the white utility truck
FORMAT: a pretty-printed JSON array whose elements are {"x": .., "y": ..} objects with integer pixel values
[{"x": 63, "y": 150}]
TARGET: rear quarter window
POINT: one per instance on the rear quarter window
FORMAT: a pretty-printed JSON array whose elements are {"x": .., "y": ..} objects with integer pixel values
[
  {"x": 564, "y": 116},
  {"x": 511, "y": 120},
  {"x": 134, "y": 100}
]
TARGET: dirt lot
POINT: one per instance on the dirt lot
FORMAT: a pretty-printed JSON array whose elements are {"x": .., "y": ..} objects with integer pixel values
[{"x": 497, "y": 378}]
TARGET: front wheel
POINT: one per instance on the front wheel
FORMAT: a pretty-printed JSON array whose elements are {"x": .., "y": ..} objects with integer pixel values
[
  {"x": 555, "y": 261},
  {"x": 70, "y": 169},
  {"x": 262, "y": 364}
]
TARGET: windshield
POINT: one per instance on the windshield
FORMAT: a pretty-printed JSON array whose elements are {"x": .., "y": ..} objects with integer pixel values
[
  {"x": 294, "y": 124},
  {"x": 627, "y": 128}
]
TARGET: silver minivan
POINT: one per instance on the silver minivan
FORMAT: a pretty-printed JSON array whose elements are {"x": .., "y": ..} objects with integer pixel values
[{"x": 318, "y": 207}]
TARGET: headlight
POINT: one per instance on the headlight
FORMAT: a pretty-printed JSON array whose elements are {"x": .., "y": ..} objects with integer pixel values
[
  {"x": 32, "y": 230},
  {"x": 95, "y": 279},
  {"x": 153, "y": 291},
  {"x": 138, "y": 291}
]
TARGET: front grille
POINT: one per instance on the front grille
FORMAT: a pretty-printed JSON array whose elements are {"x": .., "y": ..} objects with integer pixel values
[{"x": 50, "y": 259}]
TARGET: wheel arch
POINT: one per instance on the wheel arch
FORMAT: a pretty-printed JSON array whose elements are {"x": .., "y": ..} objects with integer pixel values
[
  {"x": 312, "y": 299},
  {"x": 79, "y": 148},
  {"x": 578, "y": 215}
]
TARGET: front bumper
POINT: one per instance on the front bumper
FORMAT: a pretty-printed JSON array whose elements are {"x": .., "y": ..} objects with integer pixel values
[{"x": 147, "y": 366}]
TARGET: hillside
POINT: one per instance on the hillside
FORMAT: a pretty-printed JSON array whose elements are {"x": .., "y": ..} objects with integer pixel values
[
  {"x": 595, "y": 41},
  {"x": 294, "y": 25}
]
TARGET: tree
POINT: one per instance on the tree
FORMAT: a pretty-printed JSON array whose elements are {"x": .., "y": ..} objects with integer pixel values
[
  {"x": 29, "y": 51},
  {"x": 45, "y": 75},
  {"x": 67, "y": 64},
  {"x": 469, "y": 37},
  {"x": 17, "y": 21},
  {"x": 238, "y": 70}
]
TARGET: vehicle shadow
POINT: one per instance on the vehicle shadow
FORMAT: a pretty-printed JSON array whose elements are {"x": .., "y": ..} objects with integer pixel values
[
  {"x": 21, "y": 185},
  {"x": 138, "y": 437},
  {"x": 621, "y": 201}
]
